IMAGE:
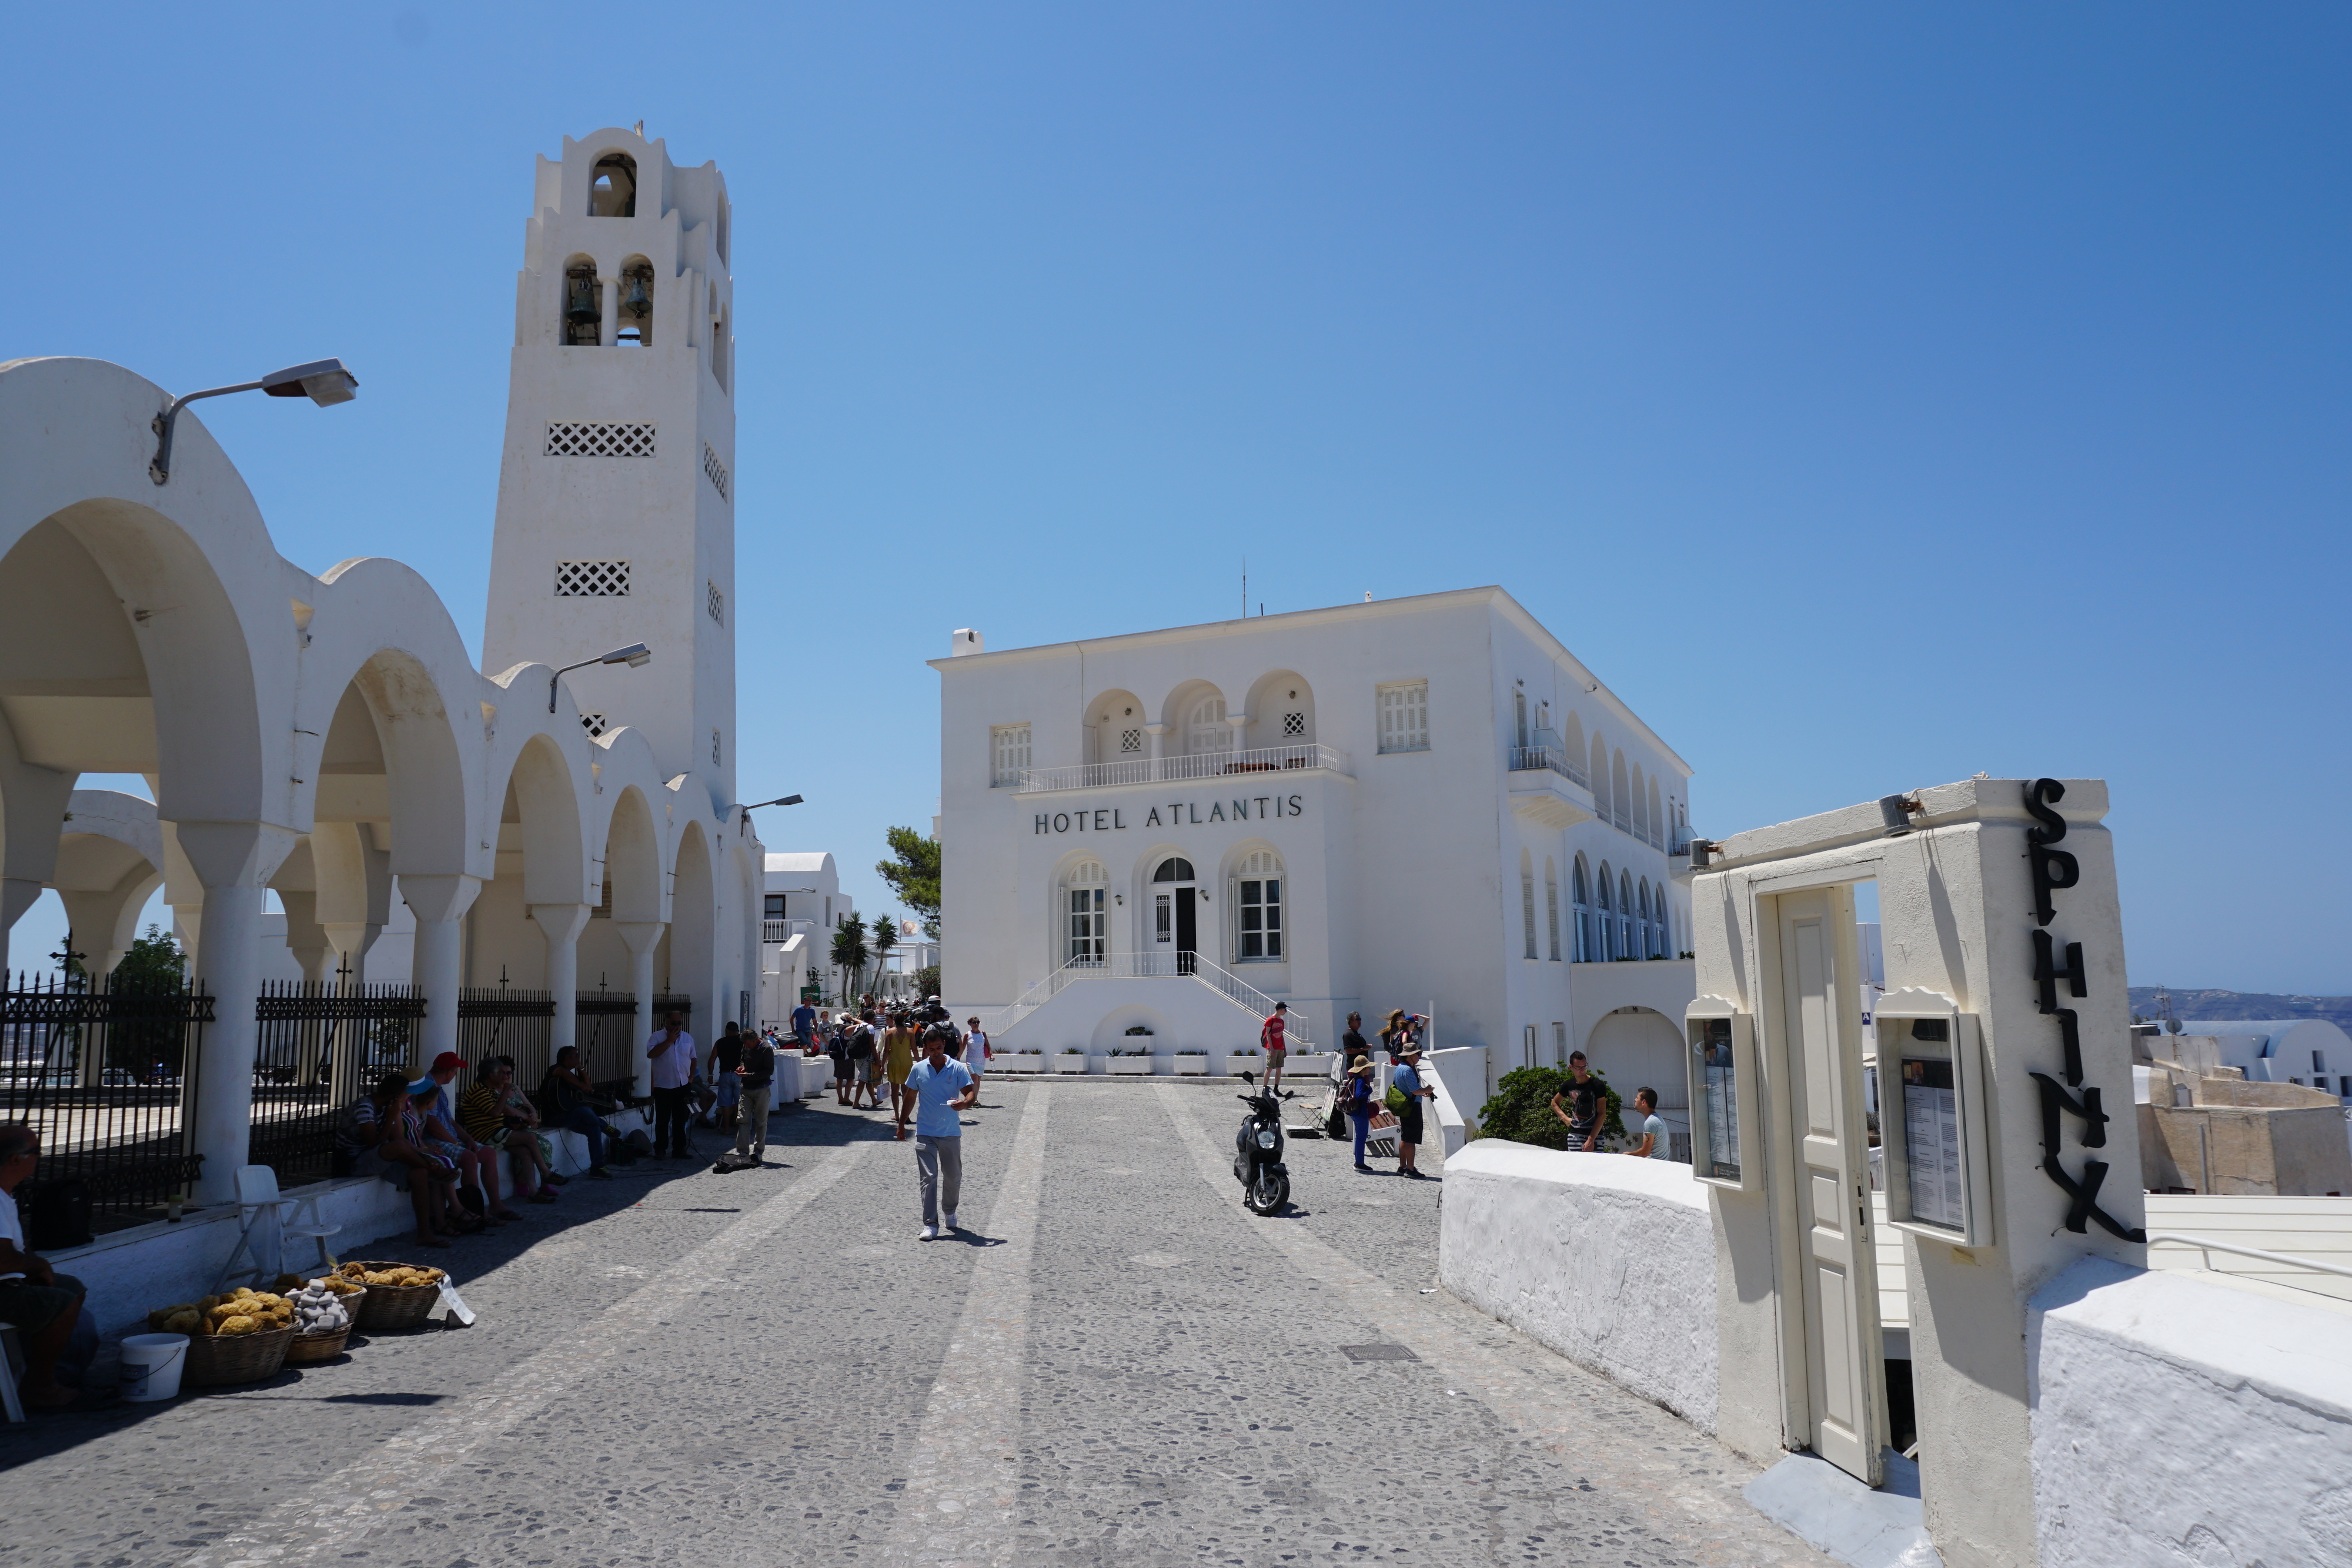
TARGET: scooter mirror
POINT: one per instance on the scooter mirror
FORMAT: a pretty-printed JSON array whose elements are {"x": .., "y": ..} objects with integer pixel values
[{"x": 1244, "y": 1076}]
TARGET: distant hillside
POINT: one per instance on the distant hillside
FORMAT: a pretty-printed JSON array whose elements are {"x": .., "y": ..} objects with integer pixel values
[{"x": 2189, "y": 1006}]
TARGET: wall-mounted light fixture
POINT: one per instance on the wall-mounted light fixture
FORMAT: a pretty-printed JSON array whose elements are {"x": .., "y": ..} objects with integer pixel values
[
  {"x": 634, "y": 656},
  {"x": 323, "y": 382}
]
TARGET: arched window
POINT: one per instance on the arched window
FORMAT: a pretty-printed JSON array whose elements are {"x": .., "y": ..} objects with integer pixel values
[
  {"x": 1620, "y": 808},
  {"x": 635, "y": 328},
  {"x": 1600, "y": 778},
  {"x": 1641, "y": 908},
  {"x": 1551, "y": 904},
  {"x": 1205, "y": 730},
  {"x": 1639, "y": 805},
  {"x": 1658, "y": 818},
  {"x": 1527, "y": 900},
  {"x": 584, "y": 305},
  {"x": 722, "y": 344},
  {"x": 1607, "y": 917},
  {"x": 1571, "y": 741},
  {"x": 1580, "y": 888},
  {"x": 613, "y": 187},
  {"x": 1173, "y": 868},
  {"x": 1625, "y": 916},
  {"x": 1085, "y": 891},
  {"x": 1257, "y": 898}
]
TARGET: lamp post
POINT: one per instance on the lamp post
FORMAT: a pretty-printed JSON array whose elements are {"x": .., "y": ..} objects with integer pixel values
[
  {"x": 323, "y": 382},
  {"x": 780, "y": 801},
  {"x": 634, "y": 656}
]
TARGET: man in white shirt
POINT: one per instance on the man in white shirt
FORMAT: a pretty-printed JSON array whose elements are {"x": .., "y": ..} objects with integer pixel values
[
  {"x": 671, "y": 1052},
  {"x": 41, "y": 1303}
]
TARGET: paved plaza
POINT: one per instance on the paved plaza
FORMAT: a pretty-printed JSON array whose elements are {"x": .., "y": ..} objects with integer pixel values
[{"x": 1114, "y": 1365}]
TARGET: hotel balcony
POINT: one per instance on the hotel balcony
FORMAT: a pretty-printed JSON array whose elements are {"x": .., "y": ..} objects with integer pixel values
[
  {"x": 1546, "y": 787},
  {"x": 1177, "y": 770}
]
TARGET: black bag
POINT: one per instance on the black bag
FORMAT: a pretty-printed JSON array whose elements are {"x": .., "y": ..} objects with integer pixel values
[
  {"x": 58, "y": 1217},
  {"x": 1336, "y": 1124}
]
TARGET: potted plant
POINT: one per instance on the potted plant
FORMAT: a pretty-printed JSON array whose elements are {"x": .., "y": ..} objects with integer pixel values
[
  {"x": 1132, "y": 1063},
  {"x": 1306, "y": 1064},
  {"x": 1020, "y": 1062},
  {"x": 1192, "y": 1063},
  {"x": 1240, "y": 1061},
  {"x": 1070, "y": 1061}
]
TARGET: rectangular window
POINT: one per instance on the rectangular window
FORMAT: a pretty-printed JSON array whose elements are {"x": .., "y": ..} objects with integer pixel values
[
  {"x": 591, "y": 580},
  {"x": 572, "y": 438},
  {"x": 1008, "y": 754},
  {"x": 1404, "y": 716},
  {"x": 1551, "y": 915},
  {"x": 1163, "y": 919},
  {"x": 775, "y": 906},
  {"x": 1560, "y": 1043},
  {"x": 1089, "y": 926},
  {"x": 1261, "y": 908}
]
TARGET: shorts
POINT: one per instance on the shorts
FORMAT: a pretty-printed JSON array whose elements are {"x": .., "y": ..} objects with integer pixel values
[
  {"x": 870, "y": 1071},
  {"x": 731, "y": 1088},
  {"x": 1409, "y": 1123},
  {"x": 844, "y": 1069},
  {"x": 1277, "y": 1053},
  {"x": 33, "y": 1308}
]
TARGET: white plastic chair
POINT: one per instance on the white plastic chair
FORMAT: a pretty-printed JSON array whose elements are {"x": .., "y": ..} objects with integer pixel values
[{"x": 257, "y": 1198}]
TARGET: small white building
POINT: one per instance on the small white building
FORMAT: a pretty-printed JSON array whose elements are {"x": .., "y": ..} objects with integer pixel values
[
  {"x": 802, "y": 900},
  {"x": 1425, "y": 803}
]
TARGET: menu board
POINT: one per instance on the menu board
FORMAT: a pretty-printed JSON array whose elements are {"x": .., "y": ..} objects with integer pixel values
[
  {"x": 1931, "y": 1142},
  {"x": 1718, "y": 1093}
]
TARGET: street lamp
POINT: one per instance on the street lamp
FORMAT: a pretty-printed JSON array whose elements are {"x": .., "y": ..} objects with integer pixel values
[
  {"x": 634, "y": 656},
  {"x": 323, "y": 382},
  {"x": 779, "y": 800}
]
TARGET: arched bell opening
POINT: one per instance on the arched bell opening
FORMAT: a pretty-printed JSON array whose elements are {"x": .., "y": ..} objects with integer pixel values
[
  {"x": 634, "y": 326},
  {"x": 613, "y": 187},
  {"x": 582, "y": 304}
]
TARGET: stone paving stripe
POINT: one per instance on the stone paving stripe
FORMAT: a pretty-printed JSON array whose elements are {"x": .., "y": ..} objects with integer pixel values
[
  {"x": 328, "y": 1520},
  {"x": 1715, "y": 1529},
  {"x": 960, "y": 1505}
]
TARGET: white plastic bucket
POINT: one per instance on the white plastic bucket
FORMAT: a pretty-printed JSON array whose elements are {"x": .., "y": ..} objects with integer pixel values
[{"x": 151, "y": 1364}]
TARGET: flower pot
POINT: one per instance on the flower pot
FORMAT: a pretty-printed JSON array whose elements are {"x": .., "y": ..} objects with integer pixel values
[
  {"x": 1131, "y": 1066},
  {"x": 1018, "y": 1061},
  {"x": 1070, "y": 1062},
  {"x": 1192, "y": 1063},
  {"x": 1239, "y": 1062},
  {"x": 1306, "y": 1064}
]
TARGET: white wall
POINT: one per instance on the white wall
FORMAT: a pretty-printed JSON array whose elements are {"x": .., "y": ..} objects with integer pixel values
[
  {"x": 2177, "y": 1422},
  {"x": 1607, "y": 1260}
]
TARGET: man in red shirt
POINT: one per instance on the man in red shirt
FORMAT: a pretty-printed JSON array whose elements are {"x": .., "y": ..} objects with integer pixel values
[{"x": 1270, "y": 1036}]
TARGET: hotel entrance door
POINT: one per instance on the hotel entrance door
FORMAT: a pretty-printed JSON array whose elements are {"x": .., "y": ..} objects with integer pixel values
[{"x": 1175, "y": 930}]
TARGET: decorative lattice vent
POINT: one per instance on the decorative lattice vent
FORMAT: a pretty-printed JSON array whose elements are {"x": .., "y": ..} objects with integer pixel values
[
  {"x": 1130, "y": 742},
  {"x": 715, "y": 471},
  {"x": 1294, "y": 723},
  {"x": 593, "y": 723},
  {"x": 715, "y": 602},
  {"x": 575, "y": 439},
  {"x": 591, "y": 579}
]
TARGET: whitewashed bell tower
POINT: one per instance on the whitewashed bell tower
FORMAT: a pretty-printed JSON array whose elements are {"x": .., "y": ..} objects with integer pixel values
[{"x": 615, "y": 520}]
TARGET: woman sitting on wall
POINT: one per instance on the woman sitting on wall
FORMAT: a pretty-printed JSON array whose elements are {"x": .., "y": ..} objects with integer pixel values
[{"x": 381, "y": 1136}]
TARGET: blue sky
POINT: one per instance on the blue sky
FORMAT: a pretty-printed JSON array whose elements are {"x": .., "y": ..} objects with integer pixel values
[{"x": 1873, "y": 395}]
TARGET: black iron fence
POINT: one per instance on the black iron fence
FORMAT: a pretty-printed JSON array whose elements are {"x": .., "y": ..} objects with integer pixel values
[
  {"x": 605, "y": 1026},
  {"x": 507, "y": 1021},
  {"x": 107, "y": 1075},
  {"x": 321, "y": 1045}
]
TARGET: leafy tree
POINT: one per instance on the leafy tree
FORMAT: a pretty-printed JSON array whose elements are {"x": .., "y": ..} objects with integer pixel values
[
  {"x": 155, "y": 968},
  {"x": 1521, "y": 1108},
  {"x": 914, "y": 875},
  {"x": 849, "y": 955},
  {"x": 885, "y": 936},
  {"x": 927, "y": 980}
]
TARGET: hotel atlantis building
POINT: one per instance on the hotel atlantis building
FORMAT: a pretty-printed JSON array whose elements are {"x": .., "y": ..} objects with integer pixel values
[{"x": 1427, "y": 804}]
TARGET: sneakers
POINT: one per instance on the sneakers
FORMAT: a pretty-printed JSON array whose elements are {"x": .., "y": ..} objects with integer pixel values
[
  {"x": 930, "y": 1233},
  {"x": 953, "y": 1225},
  {"x": 600, "y": 1173},
  {"x": 555, "y": 1180}
]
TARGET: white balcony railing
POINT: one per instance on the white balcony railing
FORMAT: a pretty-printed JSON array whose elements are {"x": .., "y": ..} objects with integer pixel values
[
  {"x": 1150, "y": 966},
  {"x": 1172, "y": 770},
  {"x": 1535, "y": 758}
]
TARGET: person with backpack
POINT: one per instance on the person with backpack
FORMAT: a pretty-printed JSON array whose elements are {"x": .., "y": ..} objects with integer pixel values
[
  {"x": 1356, "y": 1099},
  {"x": 1273, "y": 1038},
  {"x": 1411, "y": 1080},
  {"x": 862, "y": 1056},
  {"x": 845, "y": 1070}
]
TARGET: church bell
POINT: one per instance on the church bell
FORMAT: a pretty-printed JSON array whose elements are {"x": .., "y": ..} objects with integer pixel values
[
  {"x": 637, "y": 301},
  {"x": 583, "y": 309}
]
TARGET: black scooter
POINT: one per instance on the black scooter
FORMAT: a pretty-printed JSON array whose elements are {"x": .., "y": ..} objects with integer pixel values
[{"x": 1257, "y": 1152}]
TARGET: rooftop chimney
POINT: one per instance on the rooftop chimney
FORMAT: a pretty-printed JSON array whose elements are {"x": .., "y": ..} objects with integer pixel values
[{"x": 965, "y": 641}]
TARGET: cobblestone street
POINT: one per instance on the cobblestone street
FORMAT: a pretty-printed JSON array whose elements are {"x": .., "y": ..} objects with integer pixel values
[{"x": 1115, "y": 1363}]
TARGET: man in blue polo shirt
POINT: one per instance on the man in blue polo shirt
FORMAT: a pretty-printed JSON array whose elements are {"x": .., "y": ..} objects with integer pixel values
[{"x": 938, "y": 1088}]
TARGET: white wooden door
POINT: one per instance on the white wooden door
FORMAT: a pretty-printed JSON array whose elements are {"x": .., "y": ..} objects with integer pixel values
[{"x": 1840, "y": 1285}]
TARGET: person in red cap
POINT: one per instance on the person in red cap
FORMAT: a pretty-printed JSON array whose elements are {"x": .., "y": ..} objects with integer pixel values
[{"x": 478, "y": 1163}]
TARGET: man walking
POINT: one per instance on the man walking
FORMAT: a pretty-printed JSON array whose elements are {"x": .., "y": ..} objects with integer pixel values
[
  {"x": 939, "y": 1088},
  {"x": 725, "y": 1081},
  {"x": 1585, "y": 1103},
  {"x": 672, "y": 1054},
  {"x": 1273, "y": 1037},
  {"x": 756, "y": 1073},
  {"x": 804, "y": 1029}
]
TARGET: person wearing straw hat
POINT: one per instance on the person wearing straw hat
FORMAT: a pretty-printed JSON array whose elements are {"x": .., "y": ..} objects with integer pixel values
[{"x": 1408, "y": 1078}]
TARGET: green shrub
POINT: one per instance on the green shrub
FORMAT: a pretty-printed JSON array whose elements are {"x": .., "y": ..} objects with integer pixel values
[{"x": 1521, "y": 1108}]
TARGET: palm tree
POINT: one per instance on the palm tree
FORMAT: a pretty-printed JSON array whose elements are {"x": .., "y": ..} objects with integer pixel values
[
  {"x": 885, "y": 936},
  {"x": 848, "y": 955}
]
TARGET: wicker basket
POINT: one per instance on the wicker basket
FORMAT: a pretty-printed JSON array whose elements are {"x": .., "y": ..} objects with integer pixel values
[
  {"x": 217, "y": 1359},
  {"x": 388, "y": 1309},
  {"x": 309, "y": 1347}
]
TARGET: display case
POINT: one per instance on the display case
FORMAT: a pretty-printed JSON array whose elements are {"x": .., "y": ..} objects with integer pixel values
[
  {"x": 1721, "y": 1058},
  {"x": 1931, "y": 1119}
]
